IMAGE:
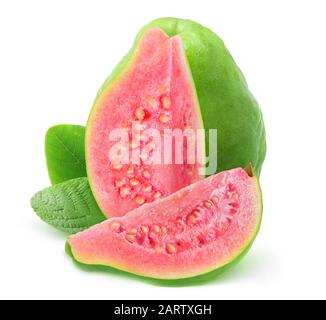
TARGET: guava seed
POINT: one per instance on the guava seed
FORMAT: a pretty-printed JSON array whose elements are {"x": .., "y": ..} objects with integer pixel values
[
  {"x": 134, "y": 182},
  {"x": 164, "y": 117},
  {"x": 155, "y": 228},
  {"x": 140, "y": 114},
  {"x": 131, "y": 238},
  {"x": 124, "y": 192},
  {"x": 170, "y": 248},
  {"x": 166, "y": 102},
  {"x": 115, "y": 226},
  {"x": 140, "y": 200}
]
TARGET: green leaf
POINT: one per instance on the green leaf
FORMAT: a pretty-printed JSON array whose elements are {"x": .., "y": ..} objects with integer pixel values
[
  {"x": 69, "y": 206},
  {"x": 65, "y": 152}
]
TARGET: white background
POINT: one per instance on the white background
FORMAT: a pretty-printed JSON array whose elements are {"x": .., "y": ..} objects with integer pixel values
[{"x": 54, "y": 55}]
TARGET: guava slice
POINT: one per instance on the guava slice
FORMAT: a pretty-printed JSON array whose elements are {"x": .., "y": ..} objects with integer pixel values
[
  {"x": 152, "y": 90},
  {"x": 198, "y": 229}
]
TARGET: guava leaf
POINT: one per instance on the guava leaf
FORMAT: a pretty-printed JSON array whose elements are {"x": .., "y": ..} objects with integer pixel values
[
  {"x": 65, "y": 152},
  {"x": 69, "y": 206}
]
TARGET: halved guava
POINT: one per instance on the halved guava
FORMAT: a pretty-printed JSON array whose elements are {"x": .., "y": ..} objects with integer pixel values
[
  {"x": 153, "y": 90},
  {"x": 200, "y": 228}
]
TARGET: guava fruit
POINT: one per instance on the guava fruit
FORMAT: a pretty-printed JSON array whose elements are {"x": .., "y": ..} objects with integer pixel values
[
  {"x": 203, "y": 227},
  {"x": 154, "y": 91}
]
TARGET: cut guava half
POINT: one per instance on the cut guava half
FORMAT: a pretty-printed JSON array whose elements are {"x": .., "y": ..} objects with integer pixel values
[
  {"x": 152, "y": 91},
  {"x": 203, "y": 227}
]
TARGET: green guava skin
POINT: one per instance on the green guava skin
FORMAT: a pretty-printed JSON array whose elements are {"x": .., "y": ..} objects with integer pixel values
[{"x": 225, "y": 100}]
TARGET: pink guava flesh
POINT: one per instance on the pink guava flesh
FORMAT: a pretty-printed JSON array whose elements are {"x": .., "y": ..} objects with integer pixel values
[
  {"x": 198, "y": 229},
  {"x": 154, "y": 91}
]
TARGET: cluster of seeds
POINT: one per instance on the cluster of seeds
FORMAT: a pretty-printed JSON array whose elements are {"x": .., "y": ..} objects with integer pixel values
[
  {"x": 147, "y": 235},
  {"x": 209, "y": 220},
  {"x": 163, "y": 115},
  {"x": 133, "y": 182}
]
